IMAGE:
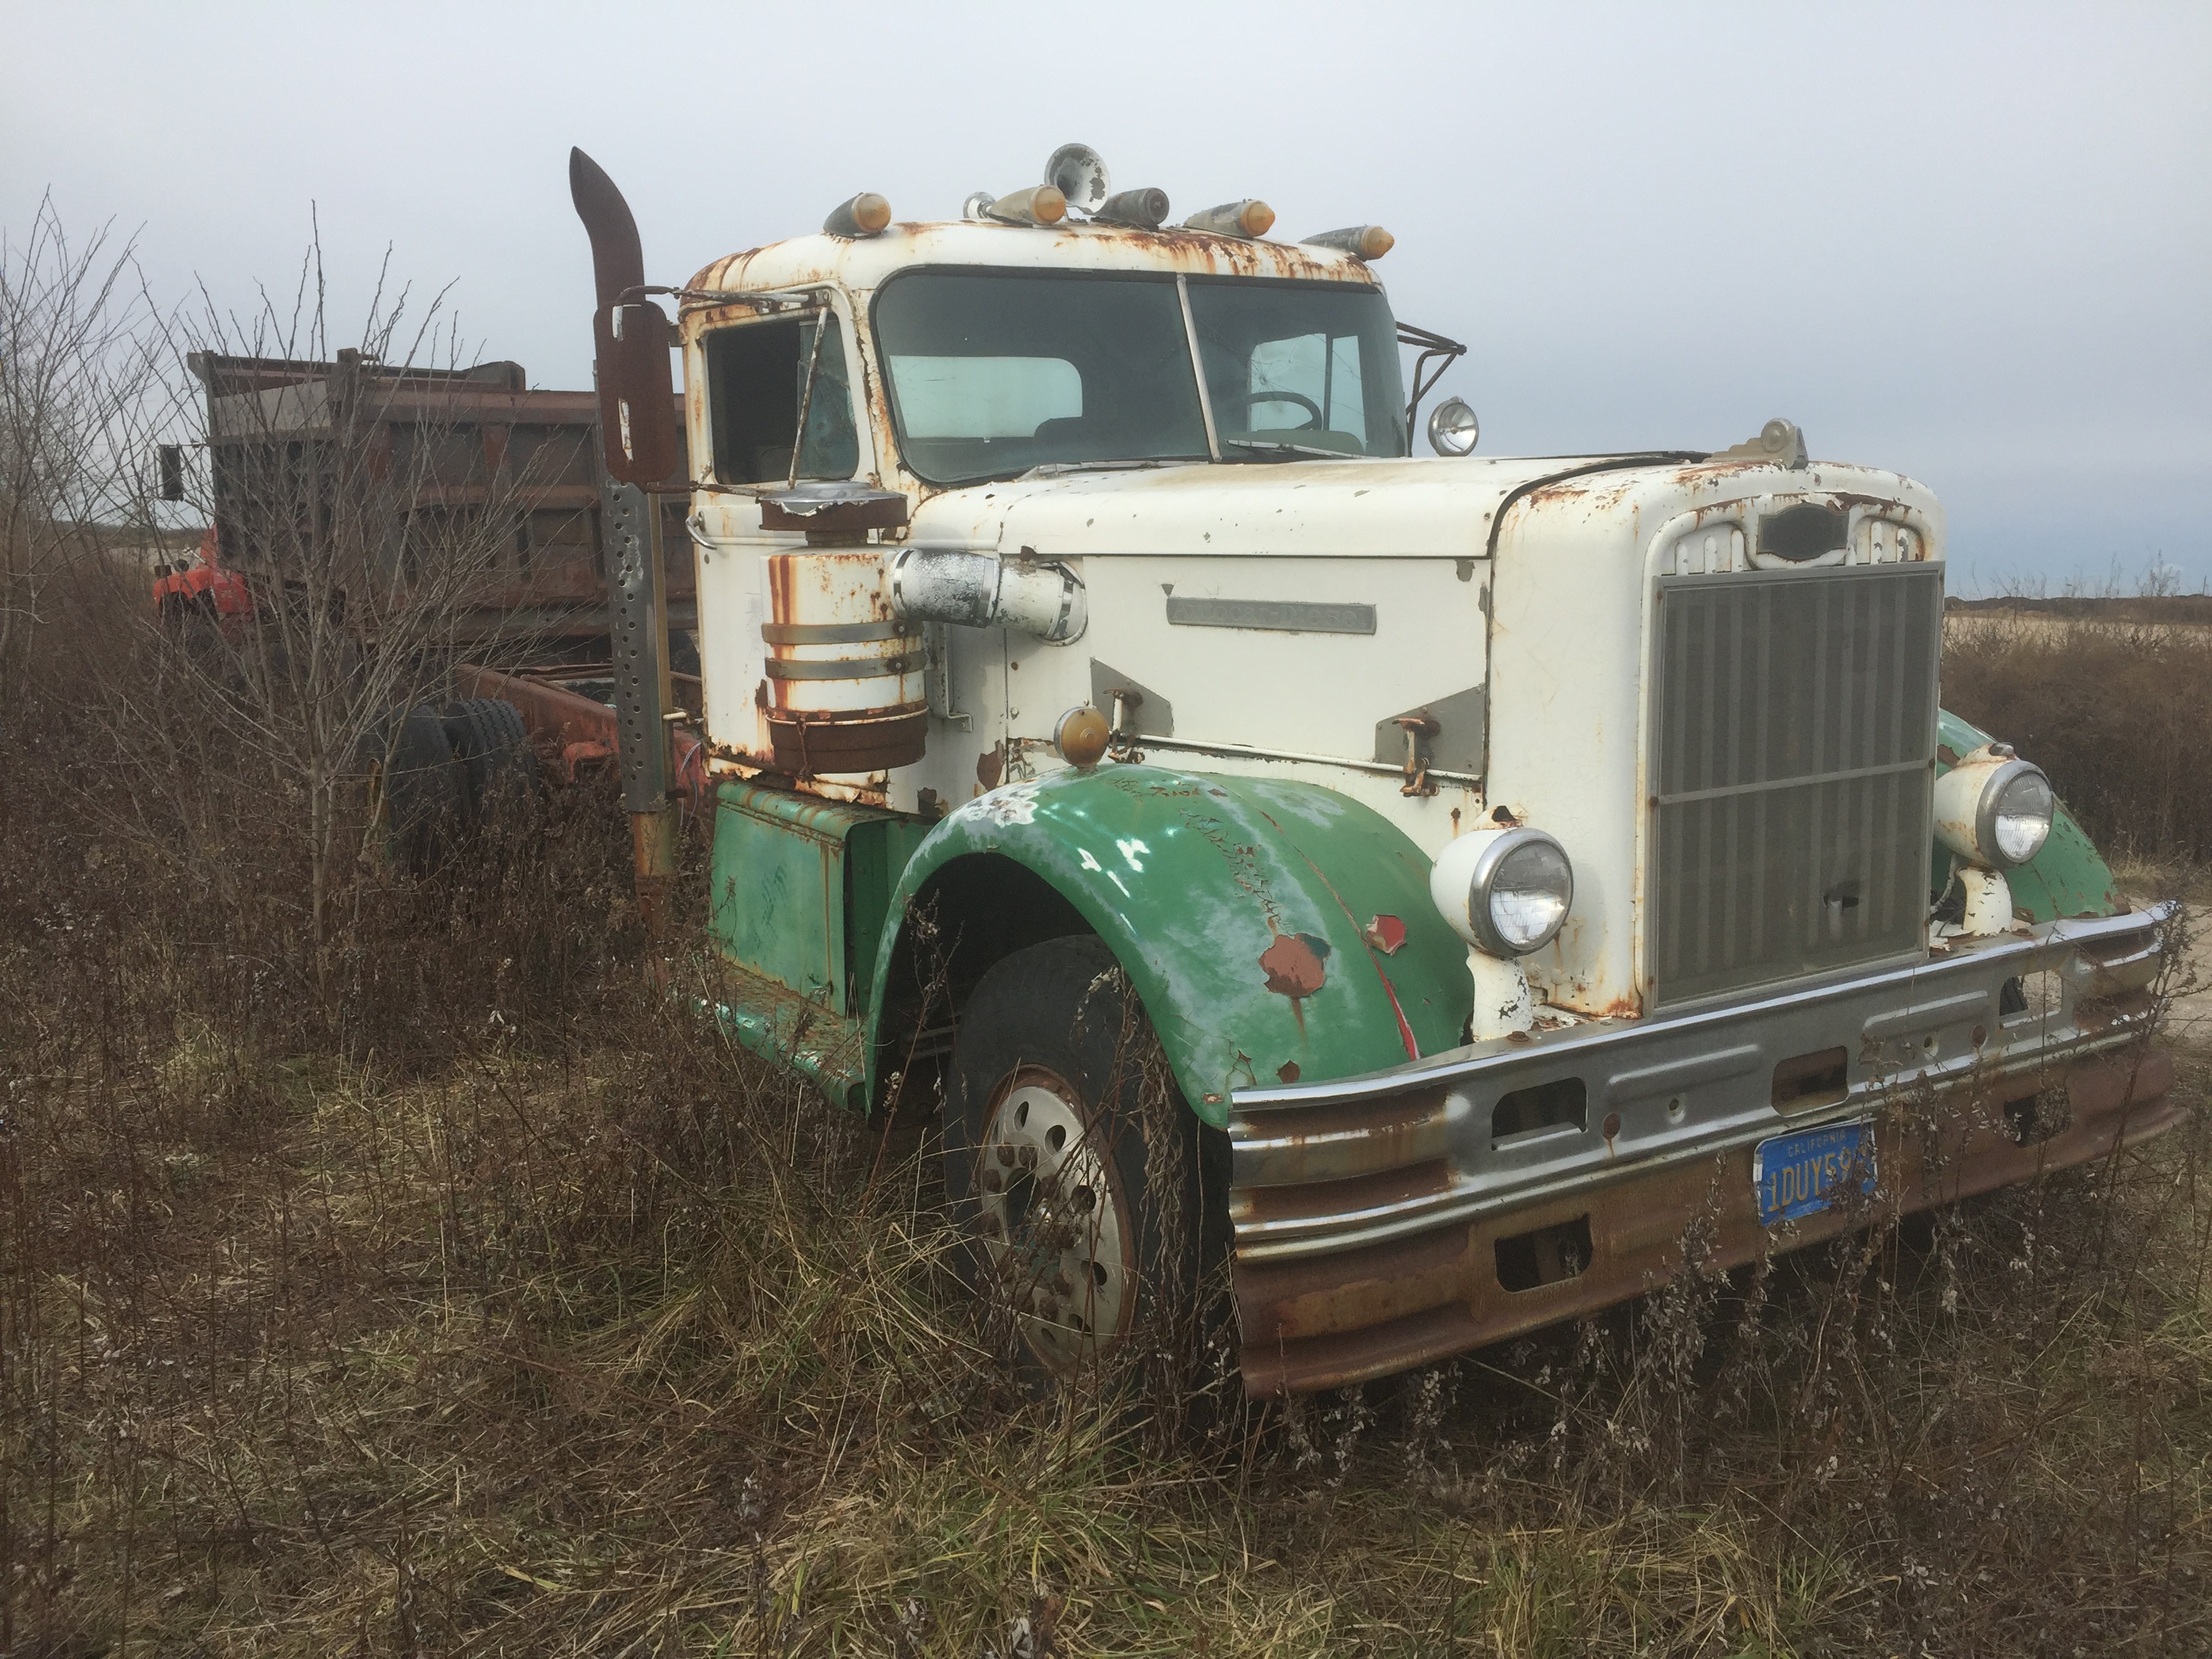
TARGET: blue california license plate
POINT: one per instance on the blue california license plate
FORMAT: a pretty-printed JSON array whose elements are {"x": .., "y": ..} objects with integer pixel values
[{"x": 1796, "y": 1175}]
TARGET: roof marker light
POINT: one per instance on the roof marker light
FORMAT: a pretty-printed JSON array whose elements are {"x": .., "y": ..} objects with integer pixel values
[
  {"x": 865, "y": 214},
  {"x": 1248, "y": 219},
  {"x": 1141, "y": 210},
  {"x": 1040, "y": 204},
  {"x": 1361, "y": 241}
]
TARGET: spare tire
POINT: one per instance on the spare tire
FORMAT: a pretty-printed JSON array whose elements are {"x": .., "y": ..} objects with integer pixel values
[
  {"x": 418, "y": 788},
  {"x": 491, "y": 747}
]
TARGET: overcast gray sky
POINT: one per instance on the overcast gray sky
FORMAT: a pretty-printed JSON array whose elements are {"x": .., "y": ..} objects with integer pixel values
[{"x": 1971, "y": 243}]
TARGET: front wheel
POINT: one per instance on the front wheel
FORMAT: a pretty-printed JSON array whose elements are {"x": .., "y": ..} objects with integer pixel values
[{"x": 1071, "y": 1160}]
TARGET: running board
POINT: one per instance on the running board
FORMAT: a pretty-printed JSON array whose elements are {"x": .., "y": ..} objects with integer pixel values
[{"x": 796, "y": 1033}]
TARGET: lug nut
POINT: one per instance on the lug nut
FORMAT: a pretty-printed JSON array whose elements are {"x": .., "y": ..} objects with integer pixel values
[
  {"x": 1006, "y": 1156},
  {"x": 993, "y": 1180}
]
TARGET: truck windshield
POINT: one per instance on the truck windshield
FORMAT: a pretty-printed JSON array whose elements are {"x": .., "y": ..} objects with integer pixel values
[{"x": 992, "y": 374}]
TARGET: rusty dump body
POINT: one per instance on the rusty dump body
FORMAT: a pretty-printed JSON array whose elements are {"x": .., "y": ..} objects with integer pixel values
[
  {"x": 447, "y": 447},
  {"x": 1391, "y": 1220}
]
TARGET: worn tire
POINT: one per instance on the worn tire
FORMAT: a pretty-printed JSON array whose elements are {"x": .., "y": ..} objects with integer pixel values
[
  {"x": 1081, "y": 1236},
  {"x": 492, "y": 748},
  {"x": 418, "y": 788}
]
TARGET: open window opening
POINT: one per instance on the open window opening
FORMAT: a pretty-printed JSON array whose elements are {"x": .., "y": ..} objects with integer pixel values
[{"x": 757, "y": 381}]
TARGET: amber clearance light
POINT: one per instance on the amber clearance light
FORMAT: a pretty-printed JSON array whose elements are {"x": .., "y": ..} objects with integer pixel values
[
  {"x": 1246, "y": 219},
  {"x": 1361, "y": 241},
  {"x": 865, "y": 214},
  {"x": 1081, "y": 736},
  {"x": 1040, "y": 204}
]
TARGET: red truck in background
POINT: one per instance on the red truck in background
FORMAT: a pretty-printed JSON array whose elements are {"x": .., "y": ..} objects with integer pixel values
[{"x": 200, "y": 587}]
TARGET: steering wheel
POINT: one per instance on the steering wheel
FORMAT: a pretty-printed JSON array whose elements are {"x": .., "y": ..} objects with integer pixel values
[{"x": 1248, "y": 398}]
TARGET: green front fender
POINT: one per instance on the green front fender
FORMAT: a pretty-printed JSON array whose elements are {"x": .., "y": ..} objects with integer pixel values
[
  {"x": 2068, "y": 878},
  {"x": 1275, "y": 931}
]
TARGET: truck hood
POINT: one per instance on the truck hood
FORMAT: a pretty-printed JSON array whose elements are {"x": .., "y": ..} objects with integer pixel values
[
  {"x": 1410, "y": 509},
  {"x": 1416, "y": 508}
]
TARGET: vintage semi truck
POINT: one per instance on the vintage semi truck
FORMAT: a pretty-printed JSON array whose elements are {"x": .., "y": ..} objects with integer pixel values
[{"x": 1517, "y": 861}]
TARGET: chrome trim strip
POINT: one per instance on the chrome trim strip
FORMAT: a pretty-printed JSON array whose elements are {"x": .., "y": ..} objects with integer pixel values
[
  {"x": 1283, "y": 616},
  {"x": 1142, "y": 740}
]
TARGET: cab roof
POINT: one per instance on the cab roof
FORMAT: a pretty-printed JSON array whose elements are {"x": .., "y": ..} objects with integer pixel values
[{"x": 858, "y": 263}]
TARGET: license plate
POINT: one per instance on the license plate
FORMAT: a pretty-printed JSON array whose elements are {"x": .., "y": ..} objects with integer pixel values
[{"x": 1796, "y": 1174}]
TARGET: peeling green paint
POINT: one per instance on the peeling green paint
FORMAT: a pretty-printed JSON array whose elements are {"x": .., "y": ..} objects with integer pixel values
[
  {"x": 2068, "y": 878},
  {"x": 1238, "y": 906}
]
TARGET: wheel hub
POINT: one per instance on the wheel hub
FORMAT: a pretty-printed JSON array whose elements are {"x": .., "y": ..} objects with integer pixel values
[{"x": 1055, "y": 1230}]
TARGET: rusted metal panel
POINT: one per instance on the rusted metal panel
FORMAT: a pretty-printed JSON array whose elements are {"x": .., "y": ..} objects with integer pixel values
[{"x": 841, "y": 685}]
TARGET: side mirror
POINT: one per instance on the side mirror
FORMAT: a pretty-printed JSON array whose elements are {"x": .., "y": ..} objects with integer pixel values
[
  {"x": 172, "y": 457},
  {"x": 637, "y": 407}
]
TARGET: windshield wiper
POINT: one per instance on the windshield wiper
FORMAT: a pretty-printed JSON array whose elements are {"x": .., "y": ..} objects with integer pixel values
[{"x": 1268, "y": 447}]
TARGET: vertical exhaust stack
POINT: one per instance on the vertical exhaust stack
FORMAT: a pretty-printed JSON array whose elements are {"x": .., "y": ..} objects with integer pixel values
[
  {"x": 642, "y": 447},
  {"x": 629, "y": 335}
]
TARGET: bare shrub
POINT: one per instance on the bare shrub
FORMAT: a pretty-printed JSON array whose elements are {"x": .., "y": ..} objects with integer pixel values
[{"x": 2113, "y": 699}]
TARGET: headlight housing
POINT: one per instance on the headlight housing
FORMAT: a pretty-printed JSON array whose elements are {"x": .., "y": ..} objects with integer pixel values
[
  {"x": 1505, "y": 891},
  {"x": 1453, "y": 428},
  {"x": 1994, "y": 808}
]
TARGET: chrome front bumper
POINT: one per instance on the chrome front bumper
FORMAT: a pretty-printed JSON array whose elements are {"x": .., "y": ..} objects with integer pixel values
[{"x": 1373, "y": 1215}]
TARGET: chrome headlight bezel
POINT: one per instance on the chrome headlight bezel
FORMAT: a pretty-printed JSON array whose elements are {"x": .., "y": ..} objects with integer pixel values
[
  {"x": 1969, "y": 827},
  {"x": 1454, "y": 429},
  {"x": 1991, "y": 804},
  {"x": 1465, "y": 885}
]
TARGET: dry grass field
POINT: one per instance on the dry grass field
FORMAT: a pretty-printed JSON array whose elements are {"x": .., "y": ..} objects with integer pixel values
[
  {"x": 429, "y": 1287},
  {"x": 2112, "y": 697}
]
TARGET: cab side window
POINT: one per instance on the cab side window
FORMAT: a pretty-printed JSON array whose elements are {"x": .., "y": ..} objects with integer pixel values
[{"x": 756, "y": 380}]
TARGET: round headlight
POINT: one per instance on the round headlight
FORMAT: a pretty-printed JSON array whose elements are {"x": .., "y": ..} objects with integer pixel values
[
  {"x": 1530, "y": 888},
  {"x": 1993, "y": 809},
  {"x": 1453, "y": 429},
  {"x": 1505, "y": 891},
  {"x": 2016, "y": 809}
]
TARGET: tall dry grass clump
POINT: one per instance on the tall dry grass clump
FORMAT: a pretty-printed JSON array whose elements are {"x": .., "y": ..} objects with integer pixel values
[{"x": 2113, "y": 699}]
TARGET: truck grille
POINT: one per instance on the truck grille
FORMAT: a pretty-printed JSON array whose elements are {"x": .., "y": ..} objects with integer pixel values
[{"x": 1793, "y": 734}]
